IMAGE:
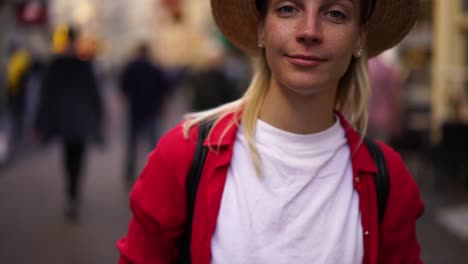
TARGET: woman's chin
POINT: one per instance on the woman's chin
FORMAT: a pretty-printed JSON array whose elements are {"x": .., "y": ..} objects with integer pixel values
[{"x": 305, "y": 87}]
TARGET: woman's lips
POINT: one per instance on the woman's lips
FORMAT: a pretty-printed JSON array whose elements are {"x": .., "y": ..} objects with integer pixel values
[{"x": 305, "y": 60}]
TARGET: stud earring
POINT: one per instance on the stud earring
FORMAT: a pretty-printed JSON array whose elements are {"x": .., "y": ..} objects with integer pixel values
[
  {"x": 260, "y": 44},
  {"x": 358, "y": 53}
]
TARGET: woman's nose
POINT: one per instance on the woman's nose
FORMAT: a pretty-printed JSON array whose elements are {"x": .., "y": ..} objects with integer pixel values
[{"x": 310, "y": 29}]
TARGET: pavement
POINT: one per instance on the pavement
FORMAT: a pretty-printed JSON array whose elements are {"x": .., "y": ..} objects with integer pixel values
[
  {"x": 33, "y": 228},
  {"x": 442, "y": 230}
]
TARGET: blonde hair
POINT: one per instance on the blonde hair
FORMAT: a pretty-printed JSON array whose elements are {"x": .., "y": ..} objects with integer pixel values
[{"x": 351, "y": 100}]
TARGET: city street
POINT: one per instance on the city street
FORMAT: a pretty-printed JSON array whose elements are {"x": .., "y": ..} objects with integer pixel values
[
  {"x": 33, "y": 228},
  {"x": 80, "y": 69}
]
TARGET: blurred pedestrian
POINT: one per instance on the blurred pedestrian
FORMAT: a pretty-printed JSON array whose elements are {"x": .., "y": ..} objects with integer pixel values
[
  {"x": 206, "y": 83},
  {"x": 19, "y": 67},
  {"x": 4, "y": 135},
  {"x": 71, "y": 110},
  {"x": 385, "y": 102},
  {"x": 144, "y": 87},
  {"x": 287, "y": 177}
]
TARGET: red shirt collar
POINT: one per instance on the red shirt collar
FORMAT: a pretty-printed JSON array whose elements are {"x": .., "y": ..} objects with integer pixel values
[{"x": 360, "y": 157}]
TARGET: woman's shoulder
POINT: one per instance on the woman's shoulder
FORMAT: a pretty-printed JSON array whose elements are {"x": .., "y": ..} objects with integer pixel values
[
  {"x": 182, "y": 143},
  {"x": 404, "y": 203},
  {"x": 389, "y": 152},
  {"x": 397, "y": 169},
  {"x": 174, "y": 142},
  {"x": 170, "y": 161}
]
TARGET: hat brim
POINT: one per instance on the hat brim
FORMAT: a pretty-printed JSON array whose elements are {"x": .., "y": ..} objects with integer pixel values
[{"x": 389, "y": 24}]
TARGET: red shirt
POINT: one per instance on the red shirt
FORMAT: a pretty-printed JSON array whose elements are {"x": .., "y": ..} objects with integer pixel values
[{"x": 158, "y": 201}]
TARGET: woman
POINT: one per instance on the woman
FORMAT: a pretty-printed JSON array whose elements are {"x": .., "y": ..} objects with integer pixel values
[{"x": 287, "y": 178}]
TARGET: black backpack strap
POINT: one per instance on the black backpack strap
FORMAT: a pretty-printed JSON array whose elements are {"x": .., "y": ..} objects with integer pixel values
[
  {"x": 381, "y": 178},
  {"x": 193, "y": 180}
]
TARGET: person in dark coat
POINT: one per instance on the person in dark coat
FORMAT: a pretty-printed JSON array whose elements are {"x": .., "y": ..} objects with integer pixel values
[
  {"x": 70, "y": 109},
  {"x": 144, "y": 86},
  {"x": 205, "y": 84}
]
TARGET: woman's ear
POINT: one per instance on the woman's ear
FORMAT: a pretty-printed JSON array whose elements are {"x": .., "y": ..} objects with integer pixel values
[
  {"x": 361, "y": 44},
  {"x": 261, "y": 34}
]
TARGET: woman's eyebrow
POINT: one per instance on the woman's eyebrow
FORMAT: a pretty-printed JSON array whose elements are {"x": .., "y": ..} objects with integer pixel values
[{"x": 332, "y": 1}]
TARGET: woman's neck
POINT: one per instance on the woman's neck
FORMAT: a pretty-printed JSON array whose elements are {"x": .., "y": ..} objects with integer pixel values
[{"x": 298, "y": 113}]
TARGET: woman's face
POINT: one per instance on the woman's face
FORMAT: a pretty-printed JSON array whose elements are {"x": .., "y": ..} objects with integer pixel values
[{"x": 309, "y": 43}]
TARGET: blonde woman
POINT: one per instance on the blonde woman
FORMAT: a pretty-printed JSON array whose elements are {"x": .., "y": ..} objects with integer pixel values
[{"x": 287, "y": 178}]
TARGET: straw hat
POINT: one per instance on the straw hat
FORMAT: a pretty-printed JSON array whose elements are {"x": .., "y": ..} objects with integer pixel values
[{"x": 390, "y": 22}]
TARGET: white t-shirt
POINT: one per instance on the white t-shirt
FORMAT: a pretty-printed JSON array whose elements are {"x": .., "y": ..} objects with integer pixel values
[{"x": 302, "y": 209}]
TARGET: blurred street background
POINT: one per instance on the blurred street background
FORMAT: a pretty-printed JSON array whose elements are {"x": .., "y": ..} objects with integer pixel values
[{"x": 148, "y": 62}]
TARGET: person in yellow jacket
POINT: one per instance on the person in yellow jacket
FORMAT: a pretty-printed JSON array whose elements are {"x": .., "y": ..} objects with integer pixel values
[{"x": 18, "y": 68}]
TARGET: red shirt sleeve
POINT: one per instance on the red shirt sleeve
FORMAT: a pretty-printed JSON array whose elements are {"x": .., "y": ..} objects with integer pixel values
[
  {"x": 397, "y": 240},
  {"x": 158, "y": 204}
]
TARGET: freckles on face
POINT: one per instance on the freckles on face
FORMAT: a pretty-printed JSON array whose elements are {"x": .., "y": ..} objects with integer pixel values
[
  {"x": 324, "y": 34},
  {"x": 311, "y": 22}
]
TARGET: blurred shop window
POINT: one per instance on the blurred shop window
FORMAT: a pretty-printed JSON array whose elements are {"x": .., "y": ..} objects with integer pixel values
[
  {"x": 416, "y": 97},
  {"x": 464, "y": 79},
  {"x": 32, "y": 13}
]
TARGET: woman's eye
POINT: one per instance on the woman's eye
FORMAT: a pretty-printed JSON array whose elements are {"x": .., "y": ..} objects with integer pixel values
[
  {"x": 337, "y": 15},
  {"x": 286, "y": 10}
]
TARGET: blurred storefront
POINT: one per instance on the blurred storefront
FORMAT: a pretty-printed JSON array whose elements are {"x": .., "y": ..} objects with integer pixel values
[
  {"x": 176, "y": 29},
  {"x": 450, "y": 61},
  {"x": 400, "y": 104},
  {"x": 106, "y": 25},
  {"x": 433, "y": 60},
  {"x": 25, "y": 24}
]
